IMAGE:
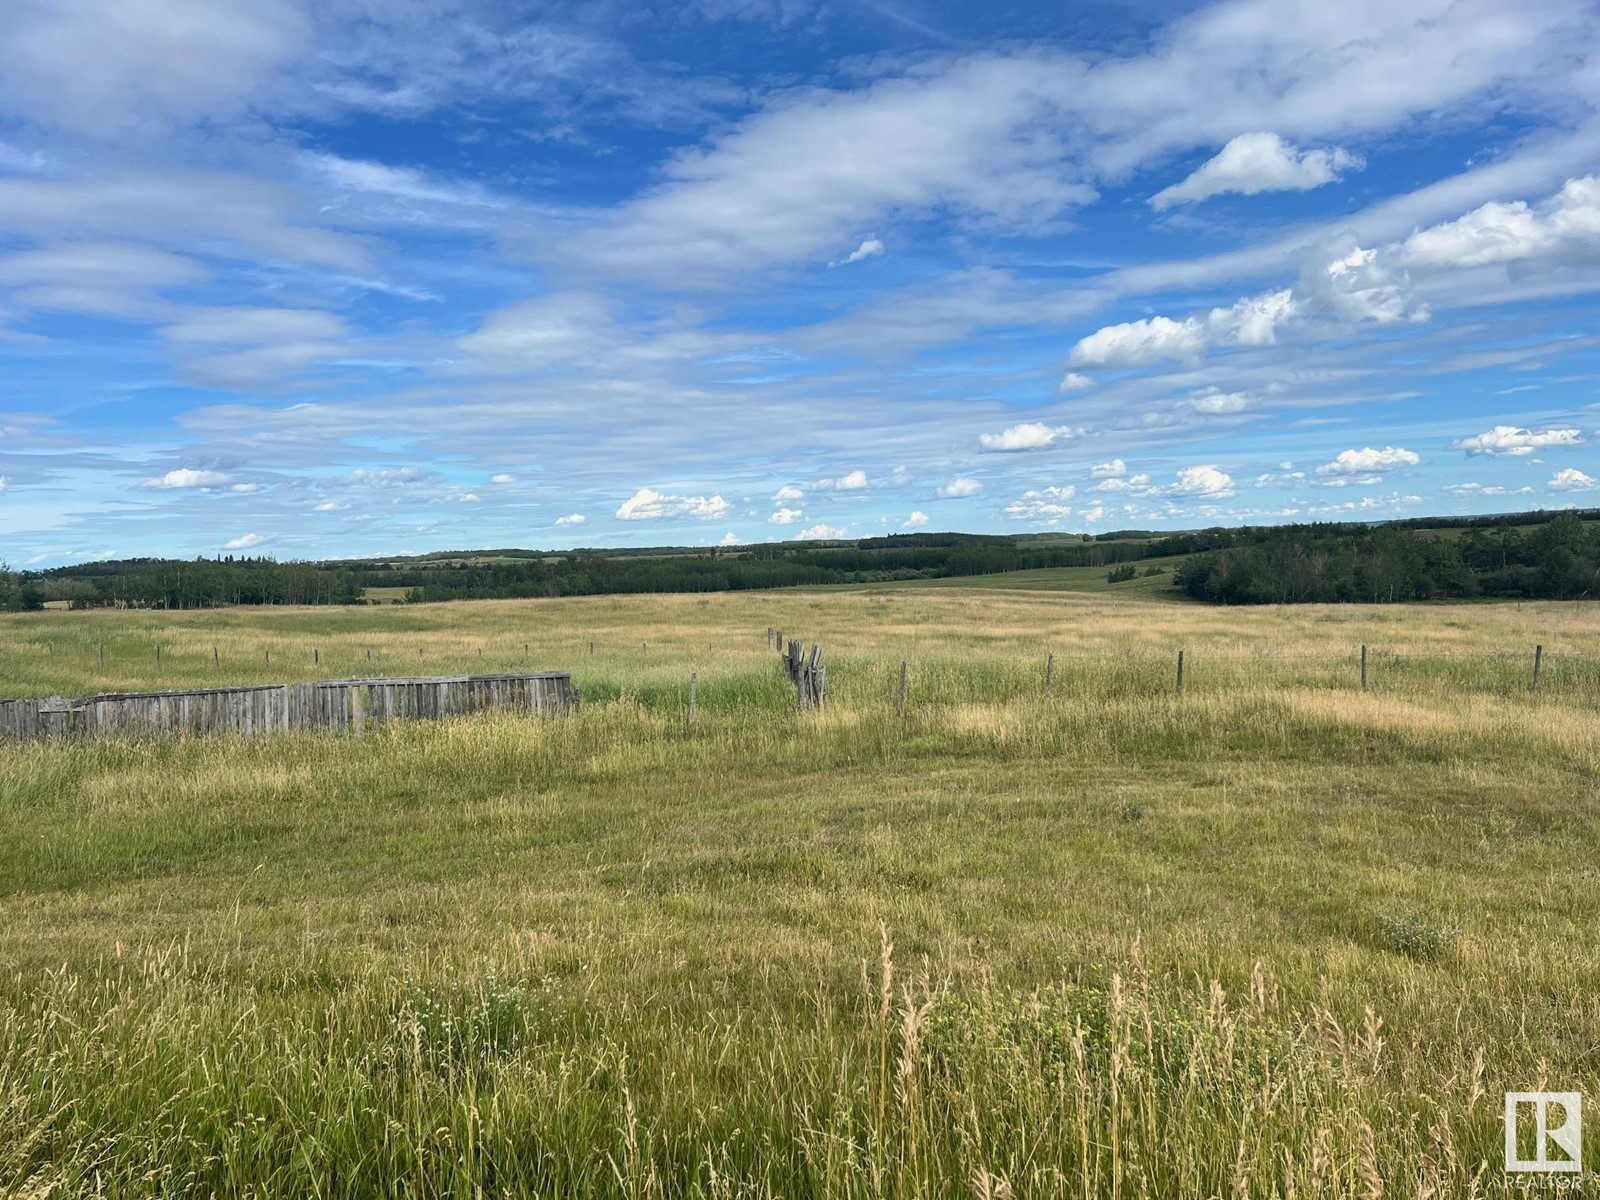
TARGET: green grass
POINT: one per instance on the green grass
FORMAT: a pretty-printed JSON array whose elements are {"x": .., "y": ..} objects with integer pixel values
[{"x": 615, "y": 954}]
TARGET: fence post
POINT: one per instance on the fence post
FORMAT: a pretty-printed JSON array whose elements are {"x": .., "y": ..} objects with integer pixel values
[
  {"x": 524, "y": 651},
  {"x": 216, "y": 659},
  {"x": 369, "y": 653},
  {"x": 694, "y": 694},
  {"x": 269, "y": 658},
  {"x": 1180, "y": 672},
  {"x": 1363, "y": 666},
  {"x": 316, "y": 656},
  {"x": 158, "y": 654},
  {"x": 1538, "y": 661},
  {"x": 591, "y": 649},
  {"x": 358, "y": 711},
  {"x": 1049, "y": 672},
  {"x": 900, "y": 699},
  {"x": 102, "y": 656}
]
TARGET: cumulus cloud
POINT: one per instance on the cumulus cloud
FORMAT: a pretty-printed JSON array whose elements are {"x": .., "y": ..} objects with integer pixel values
[
  {"x": 1045, "y": 505},
  {"x": 649, "y": 505},
  {"x": 787, "y": 495},
  {"x": 786, "y": 516},
  {"x": 1029, "y": 435},
  {"x": 502, "y": 478},
  {"x": 1567, "y": 225},
  {"x": 1132, "y": 485},
  {"x": 1516, "y": 442},
  {"x": 870, "y": 248},
  {"x": 244, "y": 542},
  {"x": 386, "y": 477},
  {"x": 917, "y": 518},
  {"x": 186, "y": 479},
  {"x": 1202, "y": 483},
  {"x": 1259, "y": 162},
  {"x": 1072, "y": 381},
  {"x": 1215, "y": 402},
  {"x": 1341, "y": 287},
  {"x": 731, "y": 539},
  {"x": 819, "y": 533},
  {"x": 1107, "y": 470},
  {"x": 571, "y": 519},
  {"x": 1570, "y": 479},
  {"x": 960, "y": 487},
  {"x": 1369, "y": 461},
  {"x": 852, "y": 482}
]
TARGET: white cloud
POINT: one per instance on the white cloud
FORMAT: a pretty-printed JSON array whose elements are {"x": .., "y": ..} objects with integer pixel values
[
  {"x": 571, "y": 519},
  {"x": 853, "y": 482},
  {"x": 3, "y": 484},
  {"x": 1259, "y": 162},
  {"x": 1107, "y": 470},
  {"x": 787, "y": 494},
  {"x": 1132, "y": 485},
  {"x": 1029, "y": 435},
  {"x": 502, "y": 478},
  {"x": 960, "y": 487},
  {"x": 1072, "y": 381},
  {"x": 870, "y": 248},
  {"x": 1252, "y": 321},
  {"x": 786, "y": 516},
  {"x": 731, "y": 539},
  {"x": 819, "y": 533},
  {"x": 1570, "y": 479},
  {"x": 1215, "y": 402},
  {"x": 386, "y": 477},
  {"x": 649, "y": 505},
  {"x": 1514, "y": 441},
  {"x": 1368, "y": 460},
  {"x": 916, "y": 519},
  {"x": 397, "y": 183},
  {"x": 185, "y": 479},
  {"x": 1479, "y": 489},
  {"x": 1045, "y": 505},
  {"x": 1202, "y": 483},
  {"x": 1566, "y": 225},
  {"x": 244, "y": 542}
]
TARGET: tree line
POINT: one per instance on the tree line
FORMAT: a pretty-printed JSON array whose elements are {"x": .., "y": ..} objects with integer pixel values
[
  {"x": 1558, "y": 559},
  {"x": 1530, "y": 555}
]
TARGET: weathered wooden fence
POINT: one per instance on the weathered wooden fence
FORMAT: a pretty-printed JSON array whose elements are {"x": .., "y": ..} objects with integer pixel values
[
  {"x": 334, "y": 705},
  {"x": 806, "y": 672}
]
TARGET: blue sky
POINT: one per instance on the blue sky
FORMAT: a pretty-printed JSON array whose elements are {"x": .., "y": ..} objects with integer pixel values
[{"x": 350, "y": 277}]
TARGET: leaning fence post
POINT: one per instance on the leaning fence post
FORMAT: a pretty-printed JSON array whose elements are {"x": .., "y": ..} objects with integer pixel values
[
  {"x": 900, "y": 699},
  {"x": 1363, "y": 666},
  {"x": 1180, "y": 672},
  {"x": 1049, "y": 672},
  {"x": 1538, "y": 661},
  {"x": 694, "y": 694}
]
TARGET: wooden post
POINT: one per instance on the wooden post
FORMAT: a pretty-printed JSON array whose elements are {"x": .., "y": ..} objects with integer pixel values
[
  {"x": 158, "y": 654},
  {"x": 644, "y": 647},
  {"x": 216, "y": 659},
  {"x": 591, "y": 649},
  {"x": 358, "y": 711},
  {"x": 102, "y": 656},
  {"x": 269, "y": 658},
  {"x": 694, "y": 694},
  {"x": 1180, "y": 672},
  {"x": 900, "y": 699},
  {"x": 1049, "y": 672},
  {"x": 524, "y": 652},
  {"x": 1538, "y": 661},
  {"x": 316, "y": 656},
  {"x": 1363, "y": 666},
  {"x": 369, "y": 653}
]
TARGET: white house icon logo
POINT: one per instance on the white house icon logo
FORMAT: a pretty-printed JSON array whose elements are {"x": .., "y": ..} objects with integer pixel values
[{"x": 1557, "y": 1128}]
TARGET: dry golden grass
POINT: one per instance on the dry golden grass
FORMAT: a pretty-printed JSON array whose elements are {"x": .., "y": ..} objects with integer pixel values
[{"x": 1272, "y": 937}]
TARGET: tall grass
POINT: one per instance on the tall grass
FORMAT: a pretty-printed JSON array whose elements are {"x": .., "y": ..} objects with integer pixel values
[{"x": 858, "y": 952}]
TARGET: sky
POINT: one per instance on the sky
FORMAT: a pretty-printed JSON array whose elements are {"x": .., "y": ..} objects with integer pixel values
[{"x": 361, "y": 277}]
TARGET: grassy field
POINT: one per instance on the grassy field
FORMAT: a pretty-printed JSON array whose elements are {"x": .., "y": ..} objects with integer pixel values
[{"x": 1273, "y": 937}]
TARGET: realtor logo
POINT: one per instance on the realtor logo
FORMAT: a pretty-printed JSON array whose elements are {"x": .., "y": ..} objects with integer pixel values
[{"x": 1557, "y": 1127}]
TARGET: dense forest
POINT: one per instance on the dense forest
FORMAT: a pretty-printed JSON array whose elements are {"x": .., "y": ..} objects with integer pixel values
[
  {"x": 1529, "y": 555},
  {"x": 1558, "y": 559}
]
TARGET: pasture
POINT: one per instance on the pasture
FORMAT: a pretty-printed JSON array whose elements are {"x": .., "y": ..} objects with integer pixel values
[{"x": 1272, "y": 936}]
